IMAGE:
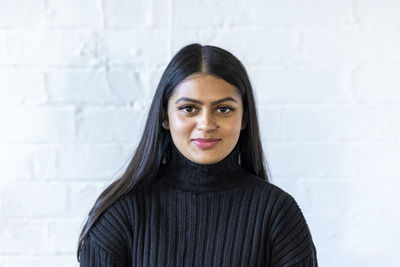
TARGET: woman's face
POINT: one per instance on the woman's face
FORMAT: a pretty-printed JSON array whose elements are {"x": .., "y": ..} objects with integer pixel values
[{"x": 205, "y": 118}]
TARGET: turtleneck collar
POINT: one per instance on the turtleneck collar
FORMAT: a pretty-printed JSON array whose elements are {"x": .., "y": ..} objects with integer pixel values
[{"x": 192, "y": 176}]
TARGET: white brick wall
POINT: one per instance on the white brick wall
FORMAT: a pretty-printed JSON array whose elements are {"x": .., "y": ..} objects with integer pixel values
[{"x": 77, "y": 77}]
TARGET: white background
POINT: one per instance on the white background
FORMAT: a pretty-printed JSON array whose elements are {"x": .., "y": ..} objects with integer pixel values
[{"x": 77, "y": 78}]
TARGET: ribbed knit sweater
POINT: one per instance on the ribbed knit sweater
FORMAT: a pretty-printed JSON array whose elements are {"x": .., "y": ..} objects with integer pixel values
[{"x": 202, "y": 215}]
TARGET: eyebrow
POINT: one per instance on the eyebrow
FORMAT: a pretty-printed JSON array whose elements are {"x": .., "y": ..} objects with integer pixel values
[{"x": 201, "y": 103}]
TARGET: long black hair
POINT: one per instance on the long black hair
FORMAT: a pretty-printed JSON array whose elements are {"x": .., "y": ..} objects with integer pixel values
[{"x": 156, "y": 142}]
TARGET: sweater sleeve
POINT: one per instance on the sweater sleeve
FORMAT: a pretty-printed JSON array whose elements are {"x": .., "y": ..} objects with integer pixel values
[
  {"x": 291, "y": 239},
  {"x": 108, "y": 243},
  {"x": 93, "y": 255}
]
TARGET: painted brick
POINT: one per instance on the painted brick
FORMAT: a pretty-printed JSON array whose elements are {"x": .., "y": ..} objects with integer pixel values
[
  {"x": 51, "y": 48},
  {"x": 109, "y": 125},
  {"x": 273, "y": 45},
  {"x": 3, "y": 48},
  {"x": 81, "y": 197},
  {"x": 269, "y": 121},
  {"x": 42, "y": 261},
  {"x": 378, "y": 14},
  {"x": 37, "y": 125},
  {"x": 22, "y": 87},
  {"x": 74, "y": 13},
  {"x": 136, "y": 47},
  {"x": 188, "y": 14},
  {"x": 23, "y": 236},
  {"x": 22, "y": 14},
  {"x": 378, "y": 84},
  {"x": 62, "y": 234},
  {"x": 89, "y": 162},
  {"x": 327, "y": 124},
  {"x": 334, "y": 160},
  {"x": 345, "y": 195},
  {"x": 390, "y": 124},
  {"x": 135, "y": 14},
  {"x": 341, "y": 47},
  {"x": 300, "y": 85},
  {"x": 28, "y": 199},
  {"x": 294, "y": 12},
  {"x": 89, "y": 87},
  {"x": 26, "y": 162}
]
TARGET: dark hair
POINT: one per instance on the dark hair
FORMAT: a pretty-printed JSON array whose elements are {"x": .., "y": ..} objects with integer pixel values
[{"x": 156, "y": 141}]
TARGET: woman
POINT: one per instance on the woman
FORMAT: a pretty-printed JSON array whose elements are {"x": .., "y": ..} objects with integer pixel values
[{"x": 196, "y": 192}]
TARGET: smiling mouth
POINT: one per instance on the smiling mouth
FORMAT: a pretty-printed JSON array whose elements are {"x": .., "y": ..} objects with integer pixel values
[{"x": 206, "y": 143}]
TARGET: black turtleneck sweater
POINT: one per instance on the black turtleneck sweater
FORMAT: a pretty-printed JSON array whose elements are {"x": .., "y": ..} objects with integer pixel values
[{"x": 202, "y": 215}]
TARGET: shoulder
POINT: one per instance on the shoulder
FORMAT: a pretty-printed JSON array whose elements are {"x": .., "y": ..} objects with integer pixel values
[
  {"x": 289, "y": 238},
  {"x": 268, "y": 190}
]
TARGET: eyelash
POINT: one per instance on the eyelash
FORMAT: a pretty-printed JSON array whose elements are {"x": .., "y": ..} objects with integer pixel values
[{"x": 189, "y": 106}]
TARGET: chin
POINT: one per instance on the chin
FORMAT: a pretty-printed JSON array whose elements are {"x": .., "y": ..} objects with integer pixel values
[{"x": 207, "y": 161}]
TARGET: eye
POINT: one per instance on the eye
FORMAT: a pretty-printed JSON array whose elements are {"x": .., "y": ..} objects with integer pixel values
[
  {"x": 225, "y": 110},
  {"x": 188, "y": 109}
]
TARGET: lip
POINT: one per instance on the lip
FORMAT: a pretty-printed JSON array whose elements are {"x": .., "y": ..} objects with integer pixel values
[{"x": 206, "y": 142}]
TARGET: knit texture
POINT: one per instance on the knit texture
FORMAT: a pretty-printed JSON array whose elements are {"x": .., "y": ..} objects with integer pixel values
[{"x": 202, "y": 215}]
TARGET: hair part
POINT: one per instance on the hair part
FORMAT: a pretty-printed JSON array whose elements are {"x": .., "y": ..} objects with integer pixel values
[{"x": 156, "y": 142}]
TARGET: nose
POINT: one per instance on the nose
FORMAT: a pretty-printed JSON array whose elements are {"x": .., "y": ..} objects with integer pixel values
[{"x": 207, "y": 122}]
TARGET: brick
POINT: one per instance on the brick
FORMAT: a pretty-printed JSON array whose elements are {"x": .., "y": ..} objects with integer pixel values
[
  {"x": 300, "y": 85},
  {"x": 327, "y": 124},
  {"x": 89, "y": 162},
  {"x": 378, "y": 14},
  {"x": 390, "y": 124},
  {"x": 382, "y": 229},
  {"x": 95, "y": 86},
  {"x": 63, "y": 234},
  {"x": 273, "y": 45},
  {"x": 37, "y": 125},
  {"x": 135, "y": 14},
  {"x": 42, "y": 261},
  {"x": 197, "y": 13},
  {"x": 32, "y": 199},
  {"x": 25, "y": 162},
  {"x": 269, "y": 121},
  {"x": 136, "y": 48},
  {"x": 23, "y": 236},
  {"x": 22, "y": 14},
  {"x": 334, "y": 160},
  {"x": 377, "y": 84},
  {"x": 182, "y": 37},
  {"x": 292, "y": 13},
  {"x": 51, "y": 48},
  {"x": 111, "y": 124},
  {"x": 339, "y": 244},
  {"x": 82, "y": 196},
  {"x": 341, "y": 47},
  {"x": 151, "y": 80},
  {"x": 3, "y": 48},
  {"x": 265, "y": 13},
  {"x": 342, "y": 196},
  {"x": 75, "y": 13},
  {"x": 15, "y": 90}
]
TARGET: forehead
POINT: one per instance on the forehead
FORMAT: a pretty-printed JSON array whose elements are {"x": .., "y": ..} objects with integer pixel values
[{"x": 205, "y": 88}]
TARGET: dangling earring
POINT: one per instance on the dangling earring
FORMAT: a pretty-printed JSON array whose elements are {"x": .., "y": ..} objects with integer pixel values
[
  {"x": 237, "y": 148},
  {"x": 165, "y": 125}
]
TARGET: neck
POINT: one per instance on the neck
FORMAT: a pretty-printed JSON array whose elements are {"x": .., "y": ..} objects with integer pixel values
[{"x": 192, "y": 176}]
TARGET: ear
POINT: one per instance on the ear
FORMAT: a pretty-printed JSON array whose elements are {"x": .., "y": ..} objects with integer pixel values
[
  {"x": 244, "y": 121},
  {"x": 165, "y": 124}
]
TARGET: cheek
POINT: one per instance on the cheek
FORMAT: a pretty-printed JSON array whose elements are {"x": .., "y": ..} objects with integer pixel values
[{"x": 179, "y": 125}]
